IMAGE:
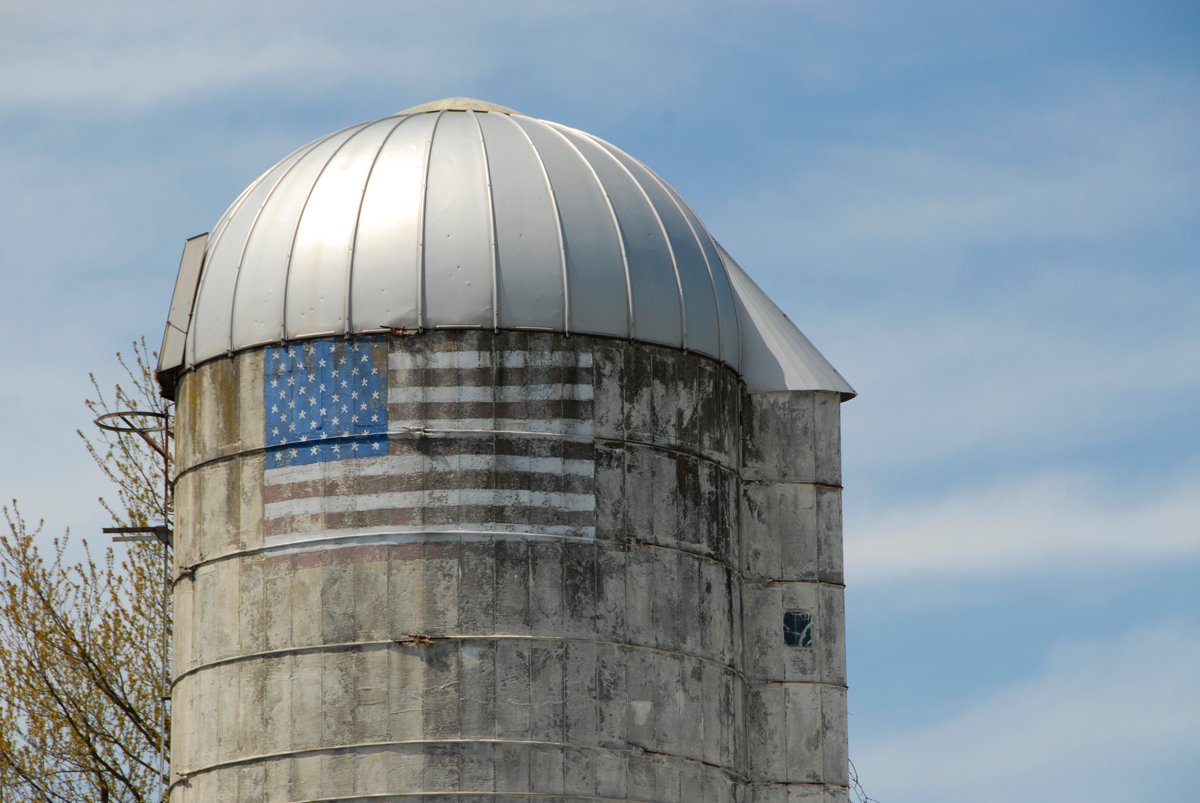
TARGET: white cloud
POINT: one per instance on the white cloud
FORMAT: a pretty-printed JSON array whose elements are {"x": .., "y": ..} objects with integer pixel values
[
  {"x": 921, "y": 194},
  {"x": 1107, "y": 720},
  {"x": 1039, "y": 524}
]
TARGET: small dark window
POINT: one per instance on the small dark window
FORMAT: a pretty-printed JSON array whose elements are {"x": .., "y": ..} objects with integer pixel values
[{"x": 797, "y": 629}]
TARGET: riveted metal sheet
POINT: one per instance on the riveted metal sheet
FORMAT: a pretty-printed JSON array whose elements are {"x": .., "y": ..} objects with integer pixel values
[
  {"x": 321, "y": 253},
  {"x": 458, "y": 253},
  {"x": 183, "y": 298},
  {"x": 775, "y": 353},
  {"x": 528, "y": 247},
  {"x": 727, "y": 309},
  {"x": 384, "y": 286},
  {"x": 656, "y": 299},
  {"x": 211, "y": 325},
  {"x": 704, "y": 323},
  {"x": 596, "y": 280},
  {"x": 258, "y": 304},
  {"x": 476, "y": 216}
]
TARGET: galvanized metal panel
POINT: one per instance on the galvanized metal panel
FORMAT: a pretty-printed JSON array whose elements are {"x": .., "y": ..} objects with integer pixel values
[
  {"x": 727, "y": 309},
  {"x": 472, "y": 216},
  {"x": 209, "y": 332},
  {"x": 701, "y": 314},
  {"x": 170, "y": 354},
  {"x": 321, "y": 253},
  {"x": 528, "y": 239},
  {"x": 652, "y": 277},
  {"x": 262, "y": 286},
  {"x": 384, "y": 288},
  {"x": 458, "y": 253},
  {"x": 775, "y": 353},
  {"x": 596, "y": 281}
]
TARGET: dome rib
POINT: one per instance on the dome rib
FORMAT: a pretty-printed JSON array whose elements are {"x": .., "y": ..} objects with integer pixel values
[
  {"x": 616, "y": 224},
  {"x": 491, "y": 208},
  {"x": 712, "y": 283},
  {"x": 289, "y": 264},
  {"x": 683, "y": 331},
  {"x": 422, "y": 220},
  {"x": 362, "y": 198},
  {"x": 558, "y": 224},
  {"x": 297, "y": 157}
]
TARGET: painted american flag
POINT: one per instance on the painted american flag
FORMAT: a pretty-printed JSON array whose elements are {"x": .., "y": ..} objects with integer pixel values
[{"x": 374, "y": 437}]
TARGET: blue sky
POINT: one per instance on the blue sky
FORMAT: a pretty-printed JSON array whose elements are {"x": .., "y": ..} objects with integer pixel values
[{"x": 987, "y": 215}]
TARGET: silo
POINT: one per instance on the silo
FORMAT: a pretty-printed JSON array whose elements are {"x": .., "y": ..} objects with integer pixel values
[{"x": 497, "y": 479}]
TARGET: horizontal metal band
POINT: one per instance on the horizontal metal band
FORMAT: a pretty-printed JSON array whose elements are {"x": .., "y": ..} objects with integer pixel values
[{"x": 631, "y": 750}]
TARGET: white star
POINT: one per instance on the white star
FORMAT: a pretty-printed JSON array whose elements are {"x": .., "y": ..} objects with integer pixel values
[
  {"x": 321, "y": 363},
  {"x": 312, "y": 424},
  {"x": 354, "y": 447},
  {"x": 364, "y": 358},
  {"x": 321, "y": 411},
  {"x": 336, "y": 397},
  {"x": 303, "y": 438},
  {"x": 274, "y": 383},
  {"x": 294, "y": 452},
  {"x": 353, "y": 372},
  {"x": 291, "y": 380},
  {"x": 354, "y": 394},
  {"x": 337, "y": 449},
  {"x": 315, "y": 449},
  {"x": 278, "y": 457},
  {"x": 374, "y": 418},
  {"x": 303, "y": 390},
  {"x": 345, "y": 409},
  {"x": 274, "y": 408},
  {"x": 375, "y": 446},
  {"x": 375, "y": 395},
  {"x": 301, "y": 414},
  {"x": 362, "y": 406},
  {"x": 275, "y": 432},
  {"x": 322, "y": 388},
  {"x": 291, "y": 427},
  {"x": 353, "y": 419}
]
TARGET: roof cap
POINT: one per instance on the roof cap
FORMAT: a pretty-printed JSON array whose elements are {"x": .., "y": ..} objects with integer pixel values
[{"x": 465, "y": 214}]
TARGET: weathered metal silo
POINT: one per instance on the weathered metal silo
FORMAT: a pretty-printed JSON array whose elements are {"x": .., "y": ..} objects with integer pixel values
[{"x": 498, "y": 478}]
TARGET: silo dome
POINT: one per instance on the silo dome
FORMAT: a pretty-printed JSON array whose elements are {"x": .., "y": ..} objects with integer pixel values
[{"x": 465, "y": 214}]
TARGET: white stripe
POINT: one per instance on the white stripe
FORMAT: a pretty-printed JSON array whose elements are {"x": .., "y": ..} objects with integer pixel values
[
  {"x": 418, "y": 533},
  {"x": 483, "y": 359},
  {"x": 494, "y": 426},
  {"x": 430, "y": 499},
  {"x": 401, "y": 394},
  {"x": 411, "y": 464}
]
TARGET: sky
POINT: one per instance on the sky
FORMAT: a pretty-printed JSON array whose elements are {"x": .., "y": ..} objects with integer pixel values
[{"x": 986, "y": 215}]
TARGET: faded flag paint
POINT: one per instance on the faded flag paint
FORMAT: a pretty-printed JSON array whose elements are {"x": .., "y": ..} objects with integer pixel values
[{"x": 423, "y": 440}]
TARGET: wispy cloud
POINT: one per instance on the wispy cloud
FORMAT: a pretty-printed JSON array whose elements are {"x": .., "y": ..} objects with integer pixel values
[
  {"x": 1032, "y": 525},
  {"x": 1104, "y": 721},
  {"x": 924, "y": 197}
]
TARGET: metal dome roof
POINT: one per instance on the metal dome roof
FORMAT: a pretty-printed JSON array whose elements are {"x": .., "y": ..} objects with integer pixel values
[{"x": 462, "y": 213}]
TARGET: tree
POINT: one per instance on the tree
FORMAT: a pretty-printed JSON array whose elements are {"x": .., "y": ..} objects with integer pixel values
[{"x": 81, "y": 661}]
